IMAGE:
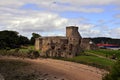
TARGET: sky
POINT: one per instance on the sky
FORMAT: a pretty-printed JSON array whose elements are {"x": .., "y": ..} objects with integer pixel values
[{"x": 95, "y": 18}]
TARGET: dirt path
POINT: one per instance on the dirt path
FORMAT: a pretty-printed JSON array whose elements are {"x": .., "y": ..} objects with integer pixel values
[{"x": 51, "y": 69}]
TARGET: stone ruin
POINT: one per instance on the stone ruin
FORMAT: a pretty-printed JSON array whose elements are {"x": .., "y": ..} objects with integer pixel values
[
  {"x": 88, "y": 44},
  {"x": 58, "y": 46}
]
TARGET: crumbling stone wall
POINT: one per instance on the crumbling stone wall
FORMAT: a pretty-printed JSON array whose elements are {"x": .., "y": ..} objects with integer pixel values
[
  {"x": 87, "y": 44},
  {"x": 58, "y": 46}
]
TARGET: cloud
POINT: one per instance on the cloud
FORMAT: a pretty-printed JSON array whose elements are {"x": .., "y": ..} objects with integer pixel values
[
  {"x": 91, "y": 2},
  {"x": 78, "y": 5},
  {"x": 42, "y": 22},
  {"x": 14, "y": 16},
  {"x": 62, "y": 5},
  {"x": 117, "y": 16},
  {"x": 115, "y": 32},
  {"x": 60, "y": 2},
  {"x": 45, "y": 22}
]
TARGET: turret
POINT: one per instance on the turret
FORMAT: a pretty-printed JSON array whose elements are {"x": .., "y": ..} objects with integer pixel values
[
  {"x": 74, "y": 40},
  {"x": 73, "y": 35},
  {"x": 72, "y": 31}
]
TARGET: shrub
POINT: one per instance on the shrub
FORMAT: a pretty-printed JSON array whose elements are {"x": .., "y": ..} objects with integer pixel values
[
  {"x": 17, "y": 50},
  {"x": 114, "y": 73},
  {"x": 7, "y": 48},
  {"x": 33, "y": 54}
]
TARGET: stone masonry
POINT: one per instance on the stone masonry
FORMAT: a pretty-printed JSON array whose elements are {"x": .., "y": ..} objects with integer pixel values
[{"x": 58, "y": 46}]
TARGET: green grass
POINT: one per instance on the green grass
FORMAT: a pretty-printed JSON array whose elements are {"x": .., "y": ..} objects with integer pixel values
[
  {"x": 27, "y": 49},
  {"x": 105, "y": 52},
  {"x": 24, "y": 49},
  {"x": 91, "y": 60}
]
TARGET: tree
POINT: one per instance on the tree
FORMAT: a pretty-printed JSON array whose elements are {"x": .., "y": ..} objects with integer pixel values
[
  {"x": 23, "y": 40},
  {"x": 11, "y": 39},
  {"x": 106, "y": 40},
  {"x": 114, "y": 73},
  {"x": 34, "y": 35},
  {"x": 8, "y": 39}
]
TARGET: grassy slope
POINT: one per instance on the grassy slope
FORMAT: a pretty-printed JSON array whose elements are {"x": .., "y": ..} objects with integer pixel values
[
  {"x": 97, "y": 60},
  {"x": 106, "y": 53},
  {"x": 93, "y": 61}
]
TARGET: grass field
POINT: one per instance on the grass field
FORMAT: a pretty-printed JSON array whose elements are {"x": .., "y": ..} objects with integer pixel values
[
  {"x": 105, "y": 52},
  {"x": 92, "y": 60},
  {"x": 26, "y": 49},
  {"x": 99, "y": 58}
]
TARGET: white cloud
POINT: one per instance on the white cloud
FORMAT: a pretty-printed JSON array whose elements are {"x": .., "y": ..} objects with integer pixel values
[
  {"x": 117, "y": 16},
  {"x": 75, "y": 5},
  {"x": 115, "y": 32},
  {"x": 38, "y": 22},
  {"x": 44, "y": 22},
  {"x": 26, "y": 21},
  {"x": 85, "y": 27},
  {"x": 49, "y": 2}
]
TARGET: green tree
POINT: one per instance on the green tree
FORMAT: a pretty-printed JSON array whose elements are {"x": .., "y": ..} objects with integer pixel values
[
  {"x": 23, "y": 40},
  {"x": 8, "y": 39},
  {"x": 34, "y": 35},
  {"x": 11, "y": 39},
  {"x": 114, "y": 73}
]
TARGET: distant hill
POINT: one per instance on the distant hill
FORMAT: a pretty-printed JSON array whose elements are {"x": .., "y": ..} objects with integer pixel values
[{"x": 105, "y": 40}]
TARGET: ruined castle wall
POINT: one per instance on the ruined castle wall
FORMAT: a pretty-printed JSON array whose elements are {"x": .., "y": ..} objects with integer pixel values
[
  {"x": 85, "y": 44},
  {"x": 74, "y": 39},
  {"x": 58, "y": 46},
  {"x": 38, "y": 43},
  {"x": 72, "y": 31},
  {"x": 73, "y": 35},
  {"x": 52, "y": 45}
]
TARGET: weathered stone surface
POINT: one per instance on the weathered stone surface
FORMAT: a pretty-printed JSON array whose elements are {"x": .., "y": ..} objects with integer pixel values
[
  {"x": 59, "y": 46},
  {"x": 1, "y": 77},
  {"x": 87, "y": 44}
]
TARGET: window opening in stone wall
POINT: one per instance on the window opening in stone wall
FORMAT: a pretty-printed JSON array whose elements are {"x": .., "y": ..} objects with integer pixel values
[
  {"x": 53, "y": 47},
  {"x": 58, "y": 48},
  {"x": 64, "y": 48},
  {"x": 70, "y": 47},
  {"x": 69, "y": 53}
]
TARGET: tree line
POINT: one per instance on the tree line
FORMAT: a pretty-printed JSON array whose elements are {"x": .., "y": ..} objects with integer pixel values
[
  {"x": 12, "y": 39},
  {"x": 105, "y": 40}
]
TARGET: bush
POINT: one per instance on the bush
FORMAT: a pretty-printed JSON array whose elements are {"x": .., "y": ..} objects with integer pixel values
[
  {"x": 17, "y": 50},
  {"x": 33, "y": 54},
  {"x": 18, "y": 53},
  {"x": 7, "y": 48},
  {"x": 114, "y": 73}
]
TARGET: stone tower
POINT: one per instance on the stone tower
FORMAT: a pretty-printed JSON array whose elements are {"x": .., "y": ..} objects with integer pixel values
[
  {"x": 73, "y": 35},
  {"x": 74, "y": 40}
]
